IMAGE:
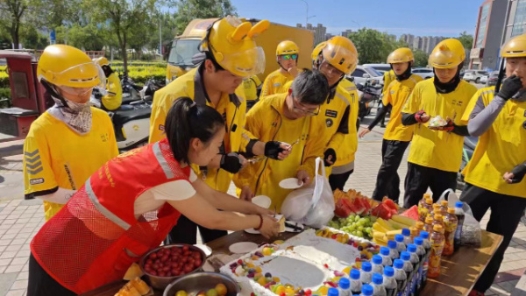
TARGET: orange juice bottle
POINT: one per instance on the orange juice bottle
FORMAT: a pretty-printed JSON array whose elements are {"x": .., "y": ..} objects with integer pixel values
[
  {"x": 425, "y": 206},
  {"x": 415, "y": 230},
  {"x": 435, "y": 210},
  {"x": 438, "y": 219},
  {"x": 437, "y": 246},
  {"x": 451, "y": 223},
  {"x": 428, "y": 226},
  {"x": 443, "y": 207}
]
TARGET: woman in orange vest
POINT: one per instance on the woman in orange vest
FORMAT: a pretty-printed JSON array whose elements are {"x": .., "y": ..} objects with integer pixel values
[{"x": 130, "y": 204}]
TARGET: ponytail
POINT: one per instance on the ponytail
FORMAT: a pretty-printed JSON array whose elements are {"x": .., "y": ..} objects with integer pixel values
[{"x": 187, "y": 120}]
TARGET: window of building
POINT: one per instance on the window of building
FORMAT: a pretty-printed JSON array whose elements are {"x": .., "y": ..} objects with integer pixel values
[
  {"x": 483, "y": 22},
  {"x": 519, "y": 22}
]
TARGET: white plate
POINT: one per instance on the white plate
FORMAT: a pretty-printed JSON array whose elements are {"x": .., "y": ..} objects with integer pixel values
[
  {"x": 205, "y": 249},
  {"x": 290, "y": 183},
  {"x": 242, "y": 247},
  {"x": 262, "y": 201},
  {"x": 252, "y": 231}
]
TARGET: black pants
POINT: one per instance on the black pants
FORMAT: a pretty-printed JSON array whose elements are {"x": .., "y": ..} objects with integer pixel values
[
  {"x": 185, "y": 232},
  {"x": 419, "y": 178},
  {"x": 337, "y": 181},
  {"x": 506, "y": 213},
  {"x": 40, "y": 283},
  {"x": 388, "y": 181}
]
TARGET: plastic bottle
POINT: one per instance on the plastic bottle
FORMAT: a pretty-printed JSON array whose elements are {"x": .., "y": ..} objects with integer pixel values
[
  {"x": 443, "y": 207},
  {"x": 438, "y": 219},
  {"x": 333, "y": 292},
  {"x": 366, "y": 273},
  {"x": 424, "y": 206},
  {"x": 389, "y": 281},
  {"x": 378, "y": 267},
  {"x": 425, "y": 262},
  {"x": 406, "y": 232},
  {"x": 435, "y": 210},
  {"x": 386, "y": 257},
  {"x": 421, "y": 252},
  {"x": 459, "y": 212},
  {"x": 419, "y": 226},
  {"x": 400, "y": 276},
  {"x": 428, "y": 226},
  {"x": 393, "y": 249},
  {"x": 400, "y": 245},
  {"x": 412, "y": 249},
  {"x": 408, "y": 268},
  {"x": 356, "y": 283},
  {"x": 367, "y": 290},
  {"x": 378, "y": 285},
  {"x": 344, "y": 286},
  {"x": 451, "y": 224},
  {"x": 437, "y": 246}
]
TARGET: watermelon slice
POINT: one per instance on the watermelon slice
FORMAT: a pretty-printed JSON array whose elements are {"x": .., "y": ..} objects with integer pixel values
[
  {"x": 366, "y": 204},
  {"x": 412, "y": 213},
  {"x": 382, "y": 211},
  {"x": 358, "y": 206},
  {"x": 342, "y": 209},
  {"x": 389, "y": 203}
]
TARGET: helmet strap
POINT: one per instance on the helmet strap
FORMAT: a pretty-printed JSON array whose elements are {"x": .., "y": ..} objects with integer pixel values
[{"x": 51, "y": 89}]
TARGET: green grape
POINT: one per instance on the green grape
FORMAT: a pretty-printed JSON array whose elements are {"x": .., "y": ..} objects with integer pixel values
[
  {"x": 357, "y": 218},
  {"x": 359, "y": 233},
  {"x": 360, "y": 228},
  {"x": 352, "y": 227},
  {"x": 368, "y": 230},
  {"x": 367, "y": 220}
]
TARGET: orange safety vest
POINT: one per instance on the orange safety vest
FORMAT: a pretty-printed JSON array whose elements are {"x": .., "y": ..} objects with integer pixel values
[{"x": 95, "y": 238}]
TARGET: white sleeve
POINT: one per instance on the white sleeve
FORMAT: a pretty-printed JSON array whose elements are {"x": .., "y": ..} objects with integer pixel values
[
  {"x": 174, "y": 190},
  {"x": 193, "y": 176}
]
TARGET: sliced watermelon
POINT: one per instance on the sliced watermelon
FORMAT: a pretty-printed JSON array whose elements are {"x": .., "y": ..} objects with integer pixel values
[
  {"x": 366, "y": 204},
  {"x": 412, "y": 213},
  {"x": 382, "y": 211},
  {"x": 342, "y": 209},
  {"x": 358, "y": 206},
  {"x": 389, "y": 203}
]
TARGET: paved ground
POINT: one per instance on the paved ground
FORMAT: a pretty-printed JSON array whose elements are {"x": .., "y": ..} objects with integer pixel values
[{"x": 21, "y": 219}]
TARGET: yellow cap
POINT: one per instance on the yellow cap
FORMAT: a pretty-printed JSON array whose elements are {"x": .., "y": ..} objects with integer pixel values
[
  {"x": 438, "y": 228},
  {"x": 451, "y": 210},
  {"x": 419, "y": 224},
  {"x": 429, "y": 219},
  {"x": 443, "y": 203},
  {"x": 438, "y": 217},
  {"x": 429, "y": 200},
  {"x": 436, "y": 206}
]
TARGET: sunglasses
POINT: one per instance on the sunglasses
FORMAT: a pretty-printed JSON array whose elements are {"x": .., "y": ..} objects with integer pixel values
[{"x": 287, "y": 57}]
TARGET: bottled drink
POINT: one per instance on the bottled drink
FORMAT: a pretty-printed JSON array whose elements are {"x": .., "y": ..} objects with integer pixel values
[
  {"x": 437, "y": 247},
  {"x": 438, "y": 219},
  {"x": 451, "y": 224},
  {"x": 356, "y": 283},
  {"x": 366, "y": 274},
  {"x": 408, "y": 269},
  {"x": 406, "y": 232},
  {"x": 425, "y": 262},
  {"x": 367, "y": 290},
  {"x": 421, "y": 252},
  {"x": 378, "y": 285},
  {"x": 386, "y": 257},
  {"x": 389, "y": 281},
  {"x": 333, "y": 292},
  {"x": 400, "y": 245},
  {"x": 419, "y": 226},
  {"x": 393, "y": 249},
  {"x": 424, "y": 206},
  {"x": 435, "y": 210},
  {"x": 412, "y": 249},
  {"x": 344, "y": 286},
  {"x": 460, "y": 223},
  {"x": 428, "y": 226},
  {"x": 400, "y": 276},
  {"x": 377, "y": 264},
  {"x": 443, "y": 207}
]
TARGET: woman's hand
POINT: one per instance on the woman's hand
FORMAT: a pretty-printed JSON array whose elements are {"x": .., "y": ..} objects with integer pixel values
[
  {"x": 364, "y": 132},
  {"x": 270, "y": 226},
  {"x": 246, "y": 193}
]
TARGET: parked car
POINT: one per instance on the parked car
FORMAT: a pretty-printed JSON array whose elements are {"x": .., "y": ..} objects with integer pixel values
[
  {"x": 363, "y": 74},
  {"x": 492, "y": 78},
  {"x": 425, "y": 73},
  {"x": 380, "y": 68},
  {"x": 474, "y": 75},
  {"x": 484, "y": 79}
]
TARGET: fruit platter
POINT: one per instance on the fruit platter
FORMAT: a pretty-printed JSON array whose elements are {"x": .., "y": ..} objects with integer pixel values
[{"x": 437, "y": 121}]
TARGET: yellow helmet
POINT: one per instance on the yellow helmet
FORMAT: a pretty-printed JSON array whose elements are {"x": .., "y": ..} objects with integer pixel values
[
  {"x": 102, "y": 61},
  {"x": 231, "y": 43},
  {"x": 448, "y": 53},
  {"x": 400, "y": 55},
  {"x": 514, "y": 48},
  {"x": 341, "y": 53},
  {"x": 64, "y": 65},
  {"x": 317, "y": 50},
  {"x": 287, "y": 47}
]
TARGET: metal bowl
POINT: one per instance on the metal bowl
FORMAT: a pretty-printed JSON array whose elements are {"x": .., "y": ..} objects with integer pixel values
[
  {"x": 201, "y": 281},
  {"x": 160, "y": 282}
]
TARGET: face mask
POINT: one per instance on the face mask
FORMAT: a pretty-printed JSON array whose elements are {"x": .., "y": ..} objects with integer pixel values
[
  {"x": 78, "y": 107},
  {"x": 76, "y": 115}
]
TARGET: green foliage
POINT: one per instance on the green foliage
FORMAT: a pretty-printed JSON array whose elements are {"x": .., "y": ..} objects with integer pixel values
[
  {"x": 31, "y": 38},
  {"x": 85, "y": 37},
  {"x": 187, "y": 10},
  {"x": 466, "y": 39},
  {"x": 372, "y": 45},
  {"x": 420, "y": 58}
]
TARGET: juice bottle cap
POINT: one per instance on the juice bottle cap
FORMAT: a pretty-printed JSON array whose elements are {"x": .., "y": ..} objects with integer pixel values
[
  {"x": 385, "y": 251},
  {"x": 392, "y": 244},
  {"x": 398, "y": 263},
  {"x": 419, "y": 241},
  {"x": 436, "y": 206},
  {"x": 366, "y": 266},
  {"x": 367, "y": 290},
  {"x": 429, "y": 219},
  {"x": 377, "y": 259},
  {"x": 424, "y": 234},
  {"x": 450, "y": 210},
  {"x": 459, "y": 204},
  {"x": 437, "y": 228},
  {"x": 399, "y": 238},
  {"x": 427, "y": 195},
  {"x": 388, "y": 271},
  {"x": 443, "y": 203},
  {"x": 419, "y": 225},
  {"x": 429, "y": 200},
  {"x": 406, "y": 232},
  {"x": 411, "y": 248},
  {"x": 344, "y": 283},
  {"x": 405, "y": 256},
  {"x": 378, "y": 279},
  {"x": 438, "y": 217},
  {"x": 355, "y": 274},
  {"x": 333, "y": 292}
]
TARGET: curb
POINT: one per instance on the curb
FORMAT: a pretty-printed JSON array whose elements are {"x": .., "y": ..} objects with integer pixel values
[{"x": 11, "y": 148}]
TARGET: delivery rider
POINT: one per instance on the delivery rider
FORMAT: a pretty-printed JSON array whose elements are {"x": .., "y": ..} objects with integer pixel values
[
  {"x": 112, "y": 100},
  {"x": 231, "y": 55},
  {"x": 287, "y": 54},
  {"x": 436, "y": 152},
  {"x": 495, "y": 173},
  {"x": 286, "y": 117},
  {"x": 252, "y": 88},
  {"x": 396, "y": 136},
  {"x": 56, "y": 163},
  {"x": 389, "y": 77}
]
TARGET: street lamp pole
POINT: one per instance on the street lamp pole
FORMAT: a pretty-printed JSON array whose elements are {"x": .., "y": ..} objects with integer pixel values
[{"x": 307, "y": 12}]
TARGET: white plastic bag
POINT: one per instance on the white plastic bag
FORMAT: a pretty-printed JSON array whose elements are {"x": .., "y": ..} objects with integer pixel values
[{"x": 312, "y": 205}]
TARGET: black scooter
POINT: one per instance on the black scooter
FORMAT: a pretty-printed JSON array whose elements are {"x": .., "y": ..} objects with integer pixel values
[{"x": 370, "y": 94}]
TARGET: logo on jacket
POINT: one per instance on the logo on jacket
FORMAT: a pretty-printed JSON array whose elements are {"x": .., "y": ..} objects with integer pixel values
[
  {"x": 104, "y": 137},
  {"x": 36, "y": 181},
  {"x": 328, "y": 122},
  {"x": 331, "y": 113}
]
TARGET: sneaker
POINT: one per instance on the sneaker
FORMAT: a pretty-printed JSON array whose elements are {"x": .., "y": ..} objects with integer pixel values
[{"x": 475, "y": 293}]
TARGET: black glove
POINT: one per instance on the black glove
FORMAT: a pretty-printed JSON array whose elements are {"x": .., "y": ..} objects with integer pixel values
[
  {"x": 329, "y": 152},
  {"x": 510, "y": 87},
  {"x": 231, "y": 162},
  {"x": 518, "y": 173},
  {"x": 272, "y": 149}
]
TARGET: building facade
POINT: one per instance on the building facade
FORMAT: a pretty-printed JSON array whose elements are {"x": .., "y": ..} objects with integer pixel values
[{"x": 320, "y": 32}]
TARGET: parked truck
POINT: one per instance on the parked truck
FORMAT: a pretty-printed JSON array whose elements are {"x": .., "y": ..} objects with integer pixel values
[{"x": 185, "y": 46}]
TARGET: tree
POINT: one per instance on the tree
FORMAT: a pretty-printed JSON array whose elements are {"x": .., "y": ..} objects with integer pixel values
[
  {"x": 372, "y": 45},
  {"x": 421, "y": 58},
  {"x": 189, "y": 10},
  {"x": 127, "y": 19},
  {"x": 88, "y": 37},
  {"x": 51, "y": 14},
  {"x": 31, "y": 38},
  {"x": 168, "y": 25},
  {"x": 11, "y": 13},
  {"x": 466, "y": 39}
]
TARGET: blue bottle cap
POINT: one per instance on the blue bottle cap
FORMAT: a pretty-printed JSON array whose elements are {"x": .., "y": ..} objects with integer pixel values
[
  {"x": 367, "y": 290},
  {"x": 411, "y": 248},
  {"x": 391, "y": 244},
  {"x": 419, "y": 241},
  {"x": 405, "y": 256},
  {"x": 388, "y": 271},
  {"x": 424, "y": 234},
  {"x": 366, "y": 266},
  {"x": 377, "y": 259},
  {"x": 333, "y": 292},
  {"x": 378, "y": 279},
  {"x": 398, "y": 263},
  {"x": 384, "y": 251},
  {"x": 399, "y": 238},
  {"x": 355, "y": 274},
  {"x": 459, "y": 204},
  {"x": 344, "y": 283},
  {"x": 406, "y": 232}
]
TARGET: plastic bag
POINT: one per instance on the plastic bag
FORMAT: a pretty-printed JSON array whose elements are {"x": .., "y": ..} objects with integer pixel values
[{"x": 312, "y": 205}]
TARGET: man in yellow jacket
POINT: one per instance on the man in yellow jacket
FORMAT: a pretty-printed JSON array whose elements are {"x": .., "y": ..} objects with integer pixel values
[
  {"x": 389, "y": 77},
  {"x": 286, "y": 117},
  {"x": 287, "y": 54},
  {"x": 231, "y": 55},
  {"x": 495, "y": 173},
  {"x": 112, "y": 100},
  {"x": 396, "y": 136},
  {"x": 436, "y": 149},
  {"x": 252, "y": 87}
]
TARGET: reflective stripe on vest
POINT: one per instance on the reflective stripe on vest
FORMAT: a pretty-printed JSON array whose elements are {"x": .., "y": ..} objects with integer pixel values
[
  {"x": 162, "y": 161},
  {"x": 102, "y": 209}
]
